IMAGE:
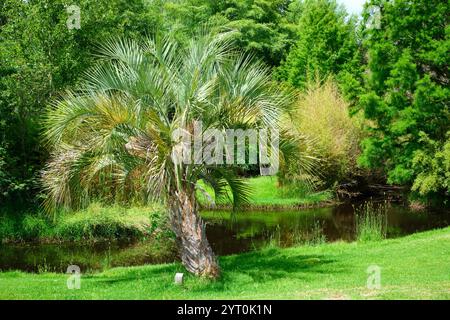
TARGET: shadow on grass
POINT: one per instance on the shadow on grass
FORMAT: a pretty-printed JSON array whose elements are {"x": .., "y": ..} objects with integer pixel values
[
  {"x": 262, "y": 267},
  {"x": 272, "y": 264},
  {"x": 130, "y": 274},
  {"x": 239, "y": 270}
]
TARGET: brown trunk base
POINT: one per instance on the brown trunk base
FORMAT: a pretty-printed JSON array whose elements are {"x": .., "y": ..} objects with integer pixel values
[{"x": 195, "y": 250}]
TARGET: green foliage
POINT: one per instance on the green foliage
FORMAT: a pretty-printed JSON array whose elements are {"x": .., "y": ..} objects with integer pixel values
[
  {"x": 99, "y": 222},
  {"x": 39, "y": 58},
  {"x": 8, "y": 227},
  {"x": 433, "y": 166},
  {"x": 265, "y": 28},
  {"x": 330, "y": 135},
  {"x": 408, "y": 94},
  {"x": 96, "y": 222},
  {"x": 327, "y": 45},
  {"x": 35, "y": 227},
  {"x": 24, "y": 227}
]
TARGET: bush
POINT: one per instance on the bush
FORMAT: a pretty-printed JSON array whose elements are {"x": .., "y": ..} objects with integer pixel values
[
  {"x": 7, "y": 227},
  {"x": 16, "y": 226},
  {"x": 329, "y": 134},
  {"x": 431, "y": 165},
  {"x": 34, "y": 227}
]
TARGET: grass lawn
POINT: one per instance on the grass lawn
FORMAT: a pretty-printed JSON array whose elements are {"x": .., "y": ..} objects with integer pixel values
[
  {"x": 267, "y": 193},
  {"x": 416, "y": 267}
]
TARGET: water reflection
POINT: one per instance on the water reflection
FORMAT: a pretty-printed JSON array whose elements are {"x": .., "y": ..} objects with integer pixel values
[{"x": 239, "y": 232}]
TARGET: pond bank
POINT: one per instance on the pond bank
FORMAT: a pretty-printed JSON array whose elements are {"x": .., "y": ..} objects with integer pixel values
[
  {"x": 329, "y": 271},
  {"x": 98, "y": 223},
  {"x": 271, "y": 208},
  {"x": 227, "y": 232},
  {"x": 93, "y": 224}
]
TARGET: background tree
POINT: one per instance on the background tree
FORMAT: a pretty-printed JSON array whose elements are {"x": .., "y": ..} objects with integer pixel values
[
  {"x": 327, "y": 45},
  {"x": 266, "y": 28},
  {"x": 408, "y": 94}
]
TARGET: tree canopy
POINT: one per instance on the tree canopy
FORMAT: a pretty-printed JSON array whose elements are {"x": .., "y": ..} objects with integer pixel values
[
  {"x": 327, "y": 45},
  {"x": 408, "y": 95}
]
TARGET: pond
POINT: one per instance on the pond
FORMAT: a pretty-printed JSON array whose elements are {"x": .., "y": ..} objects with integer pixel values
[{"x": 228, "y": 233}]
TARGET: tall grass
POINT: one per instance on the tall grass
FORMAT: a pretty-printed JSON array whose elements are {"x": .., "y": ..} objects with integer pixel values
[
  {"x": 23, "y": 224},
  {"x": 93, "y": 223},
  {"x": 316, "y": 235},
  {"x": 371, "y": 222},
  {"x": 313, "y": 236},
  {"x": 99, "y": 222}
]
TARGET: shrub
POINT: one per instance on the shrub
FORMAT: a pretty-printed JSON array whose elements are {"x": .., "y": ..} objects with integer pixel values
[
  {"x": 329, "y": 133},
  {"x": 7, "y": 227},
  {"x": 431, "y": 165},
  {"x": 34, "y": 227},
  {"x": 94, "y": 223}
]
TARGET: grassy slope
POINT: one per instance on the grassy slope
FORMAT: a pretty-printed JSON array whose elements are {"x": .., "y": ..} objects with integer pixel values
[
  {"x": 265, "y": 192},
  {"x": 416, "y": 266}
]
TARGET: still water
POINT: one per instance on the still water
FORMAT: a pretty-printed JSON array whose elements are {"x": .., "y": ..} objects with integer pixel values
[{"x": 228, "y": 233}]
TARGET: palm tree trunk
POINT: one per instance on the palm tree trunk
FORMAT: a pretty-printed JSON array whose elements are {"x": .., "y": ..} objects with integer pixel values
[{"x": 196, "y": 253}]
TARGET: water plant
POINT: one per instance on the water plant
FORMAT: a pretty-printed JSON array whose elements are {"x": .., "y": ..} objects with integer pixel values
[{"x": 371, "y": 222}]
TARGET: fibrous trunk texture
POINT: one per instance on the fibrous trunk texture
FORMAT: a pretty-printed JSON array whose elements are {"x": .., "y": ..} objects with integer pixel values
[{"x": 196, "y": 253}]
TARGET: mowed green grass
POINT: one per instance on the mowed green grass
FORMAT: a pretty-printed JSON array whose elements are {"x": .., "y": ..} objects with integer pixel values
[
  {"x": 413, "y": 267},
  {"x": 267, "y": 193}
]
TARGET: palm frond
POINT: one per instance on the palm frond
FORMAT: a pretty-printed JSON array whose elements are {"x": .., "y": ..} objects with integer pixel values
[{"x": 112, "y": 137}]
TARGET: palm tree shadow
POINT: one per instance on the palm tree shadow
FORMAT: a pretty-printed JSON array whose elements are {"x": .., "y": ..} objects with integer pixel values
[
  {"x": 259, "y": 267},
  {"x": 164, "y": 272},
  {"x": 274, "y": 264}
]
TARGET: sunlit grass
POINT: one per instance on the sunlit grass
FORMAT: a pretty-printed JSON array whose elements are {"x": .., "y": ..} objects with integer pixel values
[{"x": 266, "y": 192}]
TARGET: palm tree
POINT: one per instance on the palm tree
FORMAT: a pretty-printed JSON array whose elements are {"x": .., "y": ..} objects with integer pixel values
[{"x": 112, "y": 138}]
